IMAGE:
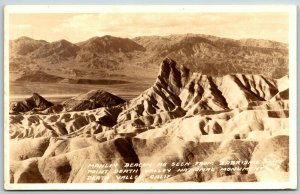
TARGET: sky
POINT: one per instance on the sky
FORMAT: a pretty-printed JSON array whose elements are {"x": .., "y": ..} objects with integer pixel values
[{"x": 80, "y": 27}]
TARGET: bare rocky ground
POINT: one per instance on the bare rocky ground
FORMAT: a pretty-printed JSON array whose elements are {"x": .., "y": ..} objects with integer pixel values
[{"x": 185, "y": 119}]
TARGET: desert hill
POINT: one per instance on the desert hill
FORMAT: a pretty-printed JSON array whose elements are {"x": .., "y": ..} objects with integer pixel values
[
  {"x": 185, "y": 117},
  {"x": 35, "y": 102},
  {"x": 38, "y": 76},
  {"x": 92, "y": 100}
]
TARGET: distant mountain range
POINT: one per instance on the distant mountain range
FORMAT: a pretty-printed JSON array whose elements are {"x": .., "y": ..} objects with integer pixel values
[{"x": 108, "y": 55}]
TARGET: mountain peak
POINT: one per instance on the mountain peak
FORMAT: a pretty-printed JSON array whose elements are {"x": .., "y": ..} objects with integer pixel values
[
  {"x": 171, "y": 74},
  {"x": 23, "y": 38},
  {"x": 24, "y": 45},
  {"x": 28, "y": 40},
  {"x": 56, "y": 51},
  {"x": 169, "y": 66},
  {"x": 63, "y": 41},
  {"x": 96, "y": 49},
  {"x": 36, "y": 95},
  {"x": 166, "y": 66},
  {"x": 92, "y": 100},
  {"x": 39, "y": 101},
  {"x": 108, "y": 36}
]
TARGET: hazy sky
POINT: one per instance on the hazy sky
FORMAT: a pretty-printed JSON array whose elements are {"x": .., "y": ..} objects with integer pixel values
[{"x": 79, "y": 27}]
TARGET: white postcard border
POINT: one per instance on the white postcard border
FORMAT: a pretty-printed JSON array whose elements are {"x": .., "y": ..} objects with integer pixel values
[{"x": 292, "y": 11}]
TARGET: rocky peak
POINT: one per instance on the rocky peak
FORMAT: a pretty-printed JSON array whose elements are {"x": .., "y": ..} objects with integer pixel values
[
  {"x": 63, "y": 43},
  {"x": 39, "y": 101},
  {"x": 175, "y": 76},
  {"x": 92, "y": 100},
  {"x": 35, "y": 102},
  {"x": 166, "y": 66},
  {"x": 36, "y": 95}
]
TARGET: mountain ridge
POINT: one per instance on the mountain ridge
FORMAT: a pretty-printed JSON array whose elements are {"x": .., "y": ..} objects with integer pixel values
[{"x": 208, "y": 54}]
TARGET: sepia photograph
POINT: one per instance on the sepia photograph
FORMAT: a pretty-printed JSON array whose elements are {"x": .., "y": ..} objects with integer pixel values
[{"x": 169, "y": 97}]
